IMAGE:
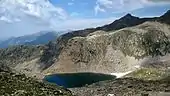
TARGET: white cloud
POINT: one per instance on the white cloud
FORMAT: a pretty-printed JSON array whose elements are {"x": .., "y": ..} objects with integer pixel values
[
  {"x": 105, "y": 3},
  {"x": 74, "y": 14},
  {"x": 38, "y": 8},
  {"x": 19, "y": 17},
  {"x": 3, "y": 18},
  {"x": 98, "y": 8},
  {"x": 125, "y": 5},
  {"x": 70, "y": 3}
]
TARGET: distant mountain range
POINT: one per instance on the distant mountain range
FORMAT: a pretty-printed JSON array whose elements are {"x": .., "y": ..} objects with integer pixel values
[{"x": 34, "y": 39}]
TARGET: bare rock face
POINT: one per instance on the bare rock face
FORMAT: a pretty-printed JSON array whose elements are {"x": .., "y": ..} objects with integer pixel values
[{"x": 117, "y": 51}]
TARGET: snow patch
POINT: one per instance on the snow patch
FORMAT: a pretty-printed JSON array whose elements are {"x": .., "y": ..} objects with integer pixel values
[
  {"x": 111, "y": 95},
  {"x": 119, "y": 75},
  {"x": 137, "y": 66}
]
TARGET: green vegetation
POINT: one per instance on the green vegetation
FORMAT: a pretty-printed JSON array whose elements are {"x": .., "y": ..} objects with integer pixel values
[{"x": 149, "y": 74}]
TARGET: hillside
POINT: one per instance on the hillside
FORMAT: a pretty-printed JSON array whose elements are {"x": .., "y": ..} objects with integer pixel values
[
  {"x": 116, "y": 51},
  {"x": 125, "y": 87},
  {"x": 12, "y": 84}
]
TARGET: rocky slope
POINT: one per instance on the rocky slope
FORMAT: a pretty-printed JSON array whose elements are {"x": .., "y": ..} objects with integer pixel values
[
  {"x": 117, "y": 51},
  {"x": 126, "y": 21},
  {"x": 12, "y": 84},
  {"x": 125, "y": 87}
]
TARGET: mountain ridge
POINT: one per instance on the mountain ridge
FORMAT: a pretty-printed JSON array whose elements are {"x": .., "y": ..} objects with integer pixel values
[
  {"x": 33, "y": 39},
  {"x": 118, "y": 24}
]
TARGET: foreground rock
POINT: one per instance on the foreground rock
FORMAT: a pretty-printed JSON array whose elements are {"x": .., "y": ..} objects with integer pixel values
[
  {"x": 125, "y": 87},
  {"x": 142, "y": 82},
  {"x": 19, "y": 85}
]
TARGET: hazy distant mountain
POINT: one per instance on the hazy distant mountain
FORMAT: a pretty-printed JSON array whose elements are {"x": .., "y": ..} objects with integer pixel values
[
  {"x": 34, "y": 39},
  {"x": 43, "y": 39}
]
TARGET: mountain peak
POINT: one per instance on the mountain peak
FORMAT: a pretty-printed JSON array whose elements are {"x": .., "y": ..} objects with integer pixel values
[
  {"x": 128, "y": 16},
  {"x": 167, "y": 13},
  {"x": 165, "y": 18}
]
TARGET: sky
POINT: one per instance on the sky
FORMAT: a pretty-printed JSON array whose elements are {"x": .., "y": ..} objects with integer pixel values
[{"x": 22, "y": 17}]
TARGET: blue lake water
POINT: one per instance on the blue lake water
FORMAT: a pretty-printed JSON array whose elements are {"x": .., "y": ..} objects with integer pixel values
[{"x": 71, "y": 80}]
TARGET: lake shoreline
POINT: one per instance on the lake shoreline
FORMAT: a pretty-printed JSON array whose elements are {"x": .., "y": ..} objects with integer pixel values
[{"x": 74, "y": 80}]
